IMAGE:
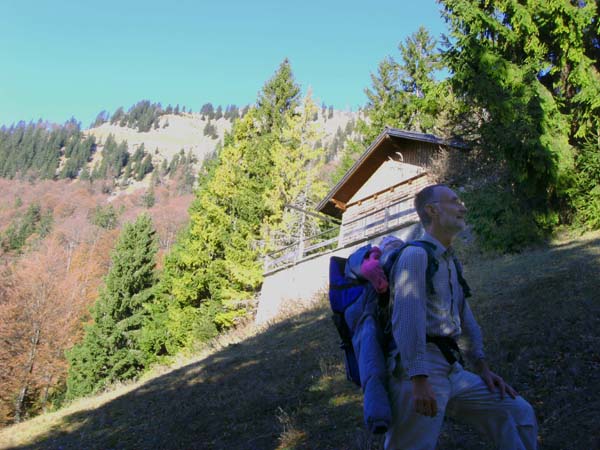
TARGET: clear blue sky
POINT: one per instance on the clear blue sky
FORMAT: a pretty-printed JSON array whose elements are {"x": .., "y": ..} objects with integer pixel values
[{"x": 67, "y": 58}]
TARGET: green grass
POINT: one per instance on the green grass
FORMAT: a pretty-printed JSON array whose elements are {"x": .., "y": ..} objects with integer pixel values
[{"x": 284, "y": 387}]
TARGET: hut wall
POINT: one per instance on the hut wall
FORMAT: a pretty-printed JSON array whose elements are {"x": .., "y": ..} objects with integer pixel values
[{"x": 377, "y": 213}]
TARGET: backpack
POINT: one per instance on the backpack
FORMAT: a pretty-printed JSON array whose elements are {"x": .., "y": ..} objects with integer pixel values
[
  {"x": 343, "y": 292},
  {"x": 347, "y": 287},
  {"x": 355, "y": 305}
]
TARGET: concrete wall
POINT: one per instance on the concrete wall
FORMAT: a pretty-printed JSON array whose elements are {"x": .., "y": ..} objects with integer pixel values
[{"x": 307, "y": 279}]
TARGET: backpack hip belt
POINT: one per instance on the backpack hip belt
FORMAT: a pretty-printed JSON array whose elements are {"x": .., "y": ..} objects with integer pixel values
[{"x": 448, "y": 347}]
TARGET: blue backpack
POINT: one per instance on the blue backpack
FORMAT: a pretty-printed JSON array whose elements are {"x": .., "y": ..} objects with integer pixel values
[
  {"x": 347, "y": 288},
  {"x": 362, "y": 319},
  {"x": 343, "y": 292},
  {"x": 355, "y": 305}
]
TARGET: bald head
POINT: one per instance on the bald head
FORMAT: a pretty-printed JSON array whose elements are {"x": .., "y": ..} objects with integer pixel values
[{"x": 426, "y": 196}]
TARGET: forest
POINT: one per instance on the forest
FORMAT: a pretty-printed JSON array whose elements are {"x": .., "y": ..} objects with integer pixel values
[{"x": 95, "y": 292}]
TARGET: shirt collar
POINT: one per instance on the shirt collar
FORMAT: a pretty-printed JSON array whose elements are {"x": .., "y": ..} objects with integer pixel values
[{"x": 440, "y": 250}]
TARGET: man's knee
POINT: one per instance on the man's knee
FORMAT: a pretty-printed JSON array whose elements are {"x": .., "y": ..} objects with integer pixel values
[
  {"x": 526, "y": 423},
  {"x": 523, "y": 412}
]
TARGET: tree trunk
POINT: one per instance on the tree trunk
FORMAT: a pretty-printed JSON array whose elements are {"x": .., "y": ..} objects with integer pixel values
[
  {"x": 23, "y": 392},
  {"x": 45, "y": 394}
]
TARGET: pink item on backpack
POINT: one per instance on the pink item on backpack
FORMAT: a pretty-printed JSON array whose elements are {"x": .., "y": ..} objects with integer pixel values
[{"x": 371, "y": 270}]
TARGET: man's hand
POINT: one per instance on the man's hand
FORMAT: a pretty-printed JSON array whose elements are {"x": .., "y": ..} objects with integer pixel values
[
  {"x": 423, "y": 396},
  {"x": 494, "y": 381}
]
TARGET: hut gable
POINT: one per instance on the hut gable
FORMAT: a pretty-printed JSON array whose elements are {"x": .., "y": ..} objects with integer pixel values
[
  {"x": 391, "y": 173},
  {"x": 392, "y": 144},
  {"x": 375, "y": 196}
]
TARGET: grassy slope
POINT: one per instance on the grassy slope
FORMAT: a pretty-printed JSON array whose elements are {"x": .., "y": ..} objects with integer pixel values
[{"x": 284, "y": 387}]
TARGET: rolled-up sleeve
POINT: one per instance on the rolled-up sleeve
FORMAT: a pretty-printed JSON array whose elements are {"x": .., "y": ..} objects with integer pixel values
[
  {"x": 471, "y": 340},
  {"x": 409, "y": 312}
]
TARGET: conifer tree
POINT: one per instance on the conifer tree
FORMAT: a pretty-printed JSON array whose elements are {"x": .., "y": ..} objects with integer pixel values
[
  {"x": 404, "y": 94},
  {"x": 101, "y": 118},
  {"x": 297, "y": 186},
  {"x": 148, "y": 199},
  {"x": 215, "y": 268},
  {"x": 110, "y": 350},
  {"x": 533, "y": 69},
  {"x": 279, "y": 97}
]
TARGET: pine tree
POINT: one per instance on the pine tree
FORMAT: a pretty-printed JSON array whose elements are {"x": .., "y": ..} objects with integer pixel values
[
  {"x": 533, "y": 69},
  {"x": 148, "y": 199},
  {"x": 101, "y": 119},
  {"x": 297, "y": 184},
  {"x": 404, "y": 94},
  {"x": 110, "y": 350},
  {"x": 213, "y": 272},
  {"x": 144, "y": 167},
  {"x": 117, "y": 116},
  {"x": 279, "y": 97}
]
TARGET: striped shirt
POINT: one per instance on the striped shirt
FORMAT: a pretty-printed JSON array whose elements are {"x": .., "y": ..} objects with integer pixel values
[{"x": 416, "y": 314}]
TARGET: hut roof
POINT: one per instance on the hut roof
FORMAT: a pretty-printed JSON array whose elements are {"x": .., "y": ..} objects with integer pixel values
[{"x": 384, "y": 145}]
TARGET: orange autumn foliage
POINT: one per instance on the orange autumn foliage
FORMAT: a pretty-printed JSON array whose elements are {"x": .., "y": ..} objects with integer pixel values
[{"x": 46, "y": 292}]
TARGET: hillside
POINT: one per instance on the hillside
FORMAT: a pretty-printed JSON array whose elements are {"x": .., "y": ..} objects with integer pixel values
[
  {"x": 176, "y": 132},
  {"x": 187, "y": 131},
  {"x": 284, "y": 387},
  {"x": 125, "y": 150}
]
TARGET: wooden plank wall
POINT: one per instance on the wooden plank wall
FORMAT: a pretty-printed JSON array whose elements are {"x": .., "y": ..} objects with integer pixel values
[{"x": 373, "y": 209}]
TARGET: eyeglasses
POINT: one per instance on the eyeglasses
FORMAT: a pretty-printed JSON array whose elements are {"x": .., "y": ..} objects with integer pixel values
[{"x": 455, "y": 201}]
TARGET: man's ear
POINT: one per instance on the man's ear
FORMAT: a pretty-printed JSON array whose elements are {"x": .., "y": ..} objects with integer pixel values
[{"x": 431, "y": 210}]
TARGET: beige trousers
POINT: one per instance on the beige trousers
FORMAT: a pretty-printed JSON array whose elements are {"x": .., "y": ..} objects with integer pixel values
[{"x": 460, "y": 394}]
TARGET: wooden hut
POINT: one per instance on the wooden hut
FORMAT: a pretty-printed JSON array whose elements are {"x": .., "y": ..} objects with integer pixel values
[{"x": 376, "y": 195}]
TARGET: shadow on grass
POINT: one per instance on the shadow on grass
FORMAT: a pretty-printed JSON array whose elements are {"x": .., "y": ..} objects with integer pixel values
[
  {"x": 540, "y": 314},
  {"x": 285, "y": 388},
  {"x": 284, "y": 384}
]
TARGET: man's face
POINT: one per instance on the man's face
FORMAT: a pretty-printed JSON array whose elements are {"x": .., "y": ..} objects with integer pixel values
[{"x": 450, "y": 211}]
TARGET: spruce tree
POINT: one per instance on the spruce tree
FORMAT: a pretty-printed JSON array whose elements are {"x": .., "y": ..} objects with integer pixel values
[
  {"x": 278, "y": 98},
  {"x": 533, "y": 69},
  {"x": 296, "y": 182},
  {"x": 214, "y": 270},
  {"x": 110, "y": 350},
  {"x": 405, "y": 94}
]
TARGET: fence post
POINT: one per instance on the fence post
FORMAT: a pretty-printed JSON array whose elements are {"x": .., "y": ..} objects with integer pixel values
[
  {"x": 387, "y": 217},
  {"x": 300, "y": 252}
]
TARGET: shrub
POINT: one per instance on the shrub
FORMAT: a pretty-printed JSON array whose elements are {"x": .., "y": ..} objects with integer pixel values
[
  {"x": 585, "y": 193},
  {"x": 502, "y": 222},
  {"x": 104, "y": 217}
]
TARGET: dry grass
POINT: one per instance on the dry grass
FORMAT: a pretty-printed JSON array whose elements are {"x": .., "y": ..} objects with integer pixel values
[
  {"x": 187, "y": 131},
  {"x": 283, "y": 386},
  {"x": 184, "y": 131}
]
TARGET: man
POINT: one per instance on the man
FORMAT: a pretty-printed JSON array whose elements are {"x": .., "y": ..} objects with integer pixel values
[{"x": 424, "y": 385}]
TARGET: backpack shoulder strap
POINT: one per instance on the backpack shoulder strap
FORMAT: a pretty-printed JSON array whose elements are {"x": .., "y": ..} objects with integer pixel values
[
  {"x": 432, "y": 263},
  {"x": 432, "y": 267},
  {"x": 461, "y": 280}
]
